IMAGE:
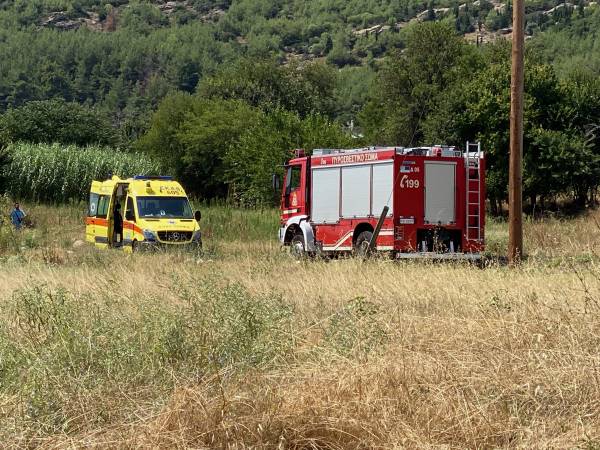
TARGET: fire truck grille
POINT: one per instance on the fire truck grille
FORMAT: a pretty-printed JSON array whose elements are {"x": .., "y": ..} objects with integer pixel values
[{"x": 175, "y": 236}]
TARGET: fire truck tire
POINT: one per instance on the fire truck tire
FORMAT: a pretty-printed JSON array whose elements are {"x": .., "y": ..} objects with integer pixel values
[
  {"x": 297, "y": 246},
  {"x": 362, "y": 243}
]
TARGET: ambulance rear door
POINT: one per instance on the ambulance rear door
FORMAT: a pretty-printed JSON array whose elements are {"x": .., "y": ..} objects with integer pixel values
[
  {"x": 90, "y": 220},
  {"x": 103, "y": 228}
]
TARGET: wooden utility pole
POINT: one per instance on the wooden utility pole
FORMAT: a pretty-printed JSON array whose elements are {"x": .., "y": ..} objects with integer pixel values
[{"x": 515, "y": 183}]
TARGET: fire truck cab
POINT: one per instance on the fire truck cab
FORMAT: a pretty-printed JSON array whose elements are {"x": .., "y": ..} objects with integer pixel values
[
  {"x": 140, "y": 213},
  {"x": 331, "y": 201}
]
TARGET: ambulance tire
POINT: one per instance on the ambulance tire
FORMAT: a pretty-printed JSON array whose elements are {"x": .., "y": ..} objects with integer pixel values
[
  {"x": 362, "y": 243},
  {"x": 297, "y": 248}
]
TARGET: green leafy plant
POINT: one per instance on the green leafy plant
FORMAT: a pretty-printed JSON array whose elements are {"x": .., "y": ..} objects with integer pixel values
[
  {"x": 45, "y": 172},
  {"x": 356, "y": 330}
]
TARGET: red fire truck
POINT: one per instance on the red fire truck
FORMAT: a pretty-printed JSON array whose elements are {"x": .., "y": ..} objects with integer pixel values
[{"x": 435, "y": 198}]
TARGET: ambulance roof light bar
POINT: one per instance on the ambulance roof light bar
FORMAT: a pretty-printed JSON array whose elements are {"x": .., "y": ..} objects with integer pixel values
[{"x": 153, "y": 177}]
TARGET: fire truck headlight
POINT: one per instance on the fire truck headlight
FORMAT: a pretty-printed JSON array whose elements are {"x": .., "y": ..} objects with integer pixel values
[{"x": 149, "y": 235}]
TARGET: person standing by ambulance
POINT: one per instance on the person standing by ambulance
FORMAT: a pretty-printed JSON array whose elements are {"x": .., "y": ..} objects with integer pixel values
[
  {"x": 16, "y": 216},
  {"x": 118, "y": 226}
]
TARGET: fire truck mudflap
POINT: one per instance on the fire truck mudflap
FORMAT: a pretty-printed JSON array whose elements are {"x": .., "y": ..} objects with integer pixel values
[{"x": 332, "y": 201}]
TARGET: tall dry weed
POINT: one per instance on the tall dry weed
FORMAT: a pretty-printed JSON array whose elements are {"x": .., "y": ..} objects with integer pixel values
[{"x": 248, "y": 348}]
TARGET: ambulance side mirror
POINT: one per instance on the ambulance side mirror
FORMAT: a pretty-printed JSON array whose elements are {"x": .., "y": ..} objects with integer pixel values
[
  {"x": 198, "y": 216},
  {"x": 276, "y": 182}
]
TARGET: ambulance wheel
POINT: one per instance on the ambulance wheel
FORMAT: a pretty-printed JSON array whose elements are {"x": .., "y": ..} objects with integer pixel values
[
  {"x": 297, "y": 246},
  {"x": 362, "y": 243}
]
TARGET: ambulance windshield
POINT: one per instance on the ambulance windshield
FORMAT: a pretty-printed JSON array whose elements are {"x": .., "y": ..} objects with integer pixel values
[{"x": 164, "y": 207}]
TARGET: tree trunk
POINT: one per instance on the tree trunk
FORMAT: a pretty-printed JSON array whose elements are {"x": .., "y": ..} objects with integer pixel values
[
  {"x": 493, "y": 206},
  {"x": 580, "y": 197}
]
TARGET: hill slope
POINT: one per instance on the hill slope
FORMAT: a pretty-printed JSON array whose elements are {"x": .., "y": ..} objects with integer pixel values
[{"x": 125, "y": 56}]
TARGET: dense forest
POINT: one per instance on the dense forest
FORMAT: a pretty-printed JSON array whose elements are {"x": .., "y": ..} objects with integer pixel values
[{"x": 219, "y": 91}]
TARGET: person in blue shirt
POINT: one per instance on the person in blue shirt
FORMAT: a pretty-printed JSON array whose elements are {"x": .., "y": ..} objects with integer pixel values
[{"x": 16, "y": 217}]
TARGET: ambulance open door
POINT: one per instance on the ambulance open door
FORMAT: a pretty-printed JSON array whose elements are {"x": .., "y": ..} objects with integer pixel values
[
  {"x": 96, "y": 222},
  {"x": 90, "y": 221},
  {"x": 102, "y": 227}
]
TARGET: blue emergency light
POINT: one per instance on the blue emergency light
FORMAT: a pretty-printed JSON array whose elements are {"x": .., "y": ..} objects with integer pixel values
[{"x": 153, "y": 177}]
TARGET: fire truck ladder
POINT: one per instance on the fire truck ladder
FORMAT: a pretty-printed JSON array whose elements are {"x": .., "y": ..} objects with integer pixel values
[{"x": 473, "y": 198}]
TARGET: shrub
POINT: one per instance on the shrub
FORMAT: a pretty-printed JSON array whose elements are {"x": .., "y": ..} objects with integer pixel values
[
  {"x": 356, "y": 330},
  {"x": 55, "y": 345},
  {"x": 226, "y": 326}
]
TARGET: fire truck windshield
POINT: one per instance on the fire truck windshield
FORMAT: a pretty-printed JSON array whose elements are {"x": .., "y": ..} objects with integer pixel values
[{"x": 171, "y": 207}]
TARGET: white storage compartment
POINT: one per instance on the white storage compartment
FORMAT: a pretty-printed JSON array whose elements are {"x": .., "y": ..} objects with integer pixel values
[
  {"x": 383, "y": 183},
  {"x": 326, "y": 195},
  {"x": 440, "y": 192},
  {"x": 356, "y": 191}
]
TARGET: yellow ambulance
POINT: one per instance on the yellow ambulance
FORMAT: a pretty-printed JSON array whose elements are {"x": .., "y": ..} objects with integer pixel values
[{"x": 141, "y": 212}]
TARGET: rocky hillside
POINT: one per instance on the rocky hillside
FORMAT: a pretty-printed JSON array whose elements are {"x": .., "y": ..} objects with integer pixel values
[
  {"x": 309, "y": 29},
  {"x": 106, "y": 17},
  {"x": 125, "y": 57}
]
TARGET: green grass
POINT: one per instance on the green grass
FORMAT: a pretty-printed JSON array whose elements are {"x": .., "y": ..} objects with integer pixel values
[{"x": 222, "y": 222}]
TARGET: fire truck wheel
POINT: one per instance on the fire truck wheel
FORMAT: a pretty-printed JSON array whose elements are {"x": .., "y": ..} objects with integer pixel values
[
  {"x": 297, "y": 246},
  {"x": 362, "y": 243}
]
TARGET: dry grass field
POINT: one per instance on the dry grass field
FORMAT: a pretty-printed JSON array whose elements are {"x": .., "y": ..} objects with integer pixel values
[{"x": 245, "y": 347}]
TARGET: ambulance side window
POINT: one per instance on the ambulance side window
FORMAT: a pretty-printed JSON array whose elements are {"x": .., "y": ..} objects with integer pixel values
[
  {"x": 103, "y": 206},
  {"x": 129, "y": 211},
  {"x": 293, "y": 178},
  {"x": 93, "y": 206}
]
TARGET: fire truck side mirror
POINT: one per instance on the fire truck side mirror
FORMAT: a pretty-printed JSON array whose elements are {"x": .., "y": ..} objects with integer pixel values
[
  {"x": 276, "y": 182},
  {"x": 198, "y": 216}
]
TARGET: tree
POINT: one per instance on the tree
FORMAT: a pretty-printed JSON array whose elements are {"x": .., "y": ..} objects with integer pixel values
[
  {"x": 192, "y": 135},
  {"x": 558, "y": 157},
  {"x": 463, "y": 22},
  {"x": 341, "y": 54},
  {"x": 411, "y": 83},
  {"x": 57, "y": 121},
  {"x": 209, "y": 131},
  {"x": 304, "y": 89},
  {"x": 221, "y": 148},
  {"x": 431, "y": 11},
  {"x": 262, "y": 149}
]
